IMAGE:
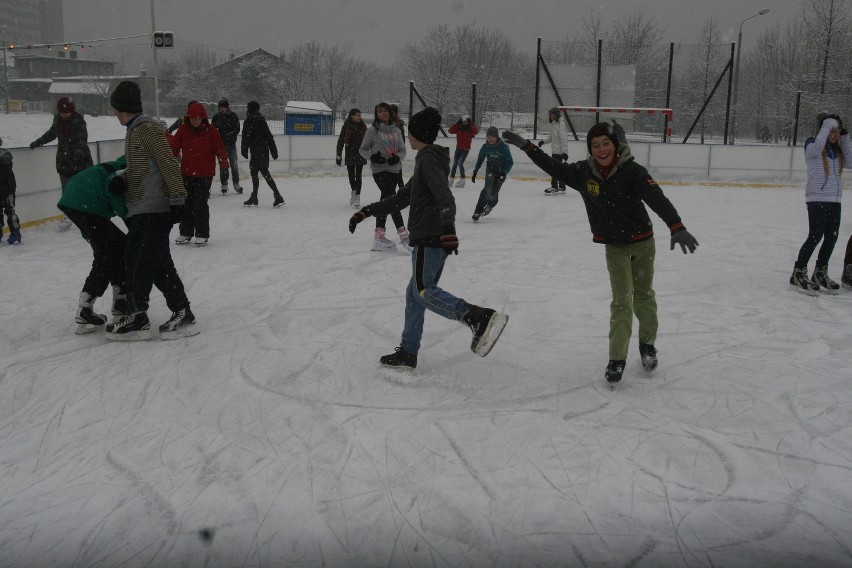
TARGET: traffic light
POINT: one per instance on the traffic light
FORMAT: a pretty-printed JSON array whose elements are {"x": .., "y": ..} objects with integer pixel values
[{"x": 164, "y": 39}]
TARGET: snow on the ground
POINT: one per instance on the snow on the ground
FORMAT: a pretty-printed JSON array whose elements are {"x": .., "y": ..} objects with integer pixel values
[{"x": 276, "y": 431}]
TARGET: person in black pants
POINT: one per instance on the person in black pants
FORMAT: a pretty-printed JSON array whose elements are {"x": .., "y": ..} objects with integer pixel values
[{"x": 258, "y": 138}]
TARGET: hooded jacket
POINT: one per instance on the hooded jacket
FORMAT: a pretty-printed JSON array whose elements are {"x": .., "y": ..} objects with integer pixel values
[
  {"x": 351, "y": 135},
  {"x": 258, "y": 138},
  {"x": 72, "y": 151},
  {"x": 386, "y": 139},
  {"x": 615, "y": 206},
  {"x": 826, "y": 186},
  {"x": 432, "y": 203},
  {"x": 88, "y": 191},
  {"x": 154, "y": 182},
  {"x": 199, "y": 147}
]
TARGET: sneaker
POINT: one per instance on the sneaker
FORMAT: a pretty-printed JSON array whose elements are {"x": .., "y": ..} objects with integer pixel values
[
  {"x": 846, "y": 279},
  {"x": 64, "y": 224},
  {"x": 182, "y": 240},
  {"x": 279, "y": 201},
  {"x": 238, "y": 188},
  {"x": 486, "y": 210},
  {"x": 648, "y": 353},
  {"x": 400, "y": 359},
  {"x": 404, "y": 238},
  {"x": 800, "y": 281},
  {"x": 459, "y": 183},
  {"x": 486, "y": 325},
  {"x": 614, "y": 371},
  {"x": 200, "y": 241},
  {"x": 181, "y": 324},
  {"x": 14, "y": 237},
  {"x": 252, "y": 202},
  {"x": 131, "y": 327},
  {"x": 825, "y": 283},
  {"x": 224, "y": 188}
]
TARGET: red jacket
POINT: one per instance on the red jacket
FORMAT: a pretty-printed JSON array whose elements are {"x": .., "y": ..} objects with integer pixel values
[
  {"x": 198, "y": 149},
  {"x": 464, "y": 135}
]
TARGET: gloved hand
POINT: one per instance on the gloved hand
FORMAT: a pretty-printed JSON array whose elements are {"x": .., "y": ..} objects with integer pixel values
[
  {"x": 393, "y": 160},
  {"x": 832, "y": 120},
  {"x": 361, "y": 160},
  {"x": 357, "y": 217},
  {"x": 514, "y": 139},
  {"x": 540, "y": 143},
  {"x": 377, "y": 158},
  {"x": 473, "y": 177},
  {"x": 117, "y": 185},
  {"x": 501, "y": 176},
  {"x": 32, "y": 145},
  {"x": 245, "y": 154},
  {"x": 274, "y": 154},
  {"x": 449, "y": 240},
  {"x": 564, "y": 157},
  {"x": 685, "y": 239},
  {"x": 337, "y": 160},
  {"x": 176, "y": 213}
]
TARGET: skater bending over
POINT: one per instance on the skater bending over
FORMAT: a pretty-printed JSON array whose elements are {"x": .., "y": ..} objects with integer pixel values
[
  {"x": 615, "y": 190},
  {"x": 431, "y": 220}
]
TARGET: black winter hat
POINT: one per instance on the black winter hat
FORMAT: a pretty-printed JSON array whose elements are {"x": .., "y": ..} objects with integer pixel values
[
  {"x": 603, "y": 129},
  {"x": 127, "y": 97},
  {"x": 253, "y": 107},
  {"x": 492, "y": 131},
  {"x": 224, "y": 103},
  {"x": 354, "y": 111},
  {"x": 425, "y": 125}
]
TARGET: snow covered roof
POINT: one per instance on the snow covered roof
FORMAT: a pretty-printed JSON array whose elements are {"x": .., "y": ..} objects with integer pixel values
[
  {"x": 82, "y": 88},
  {"x": 307, "y": 107}
]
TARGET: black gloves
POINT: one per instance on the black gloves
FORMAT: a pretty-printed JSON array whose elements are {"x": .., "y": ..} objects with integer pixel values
[
  {"x": 685, "y": 239},
  {"x": 361, "y": 160},
  {"x": 117, "y": 186},
  {"x": 357, "y": 217},
  {"x": 564, "y": 157},
  {"x": 337, "y": 160},
  {"x": 514, "y": 139},
  {"x": 176, "y": 214},
  {"x": 274, "y": 154},
  {"x": 449, "y": 240},
  {"x": 473, "y": 177},
  {"x": 393, "y": 160},
  {"x": 377, "y": 158},
  {"x": 540, "y": 143}
]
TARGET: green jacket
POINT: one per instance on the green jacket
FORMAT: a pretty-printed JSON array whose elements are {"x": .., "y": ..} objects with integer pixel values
[{"x": 88, "y": 191}]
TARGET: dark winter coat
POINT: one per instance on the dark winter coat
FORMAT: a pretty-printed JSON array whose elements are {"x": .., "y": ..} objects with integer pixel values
[
  {"x": 88, "y": 191},
  {"x": 72, "y": 152},
  {"x": 615, "y": 206},
  {"x": 427, "y": 192},
  {"x": 351, "y": 136},
  {"x": 464, "y": 134},
  {"x": 198, "y": 149},
  {"x": 228, "y": 125},
  {"x": 7, "y": 176},
  {"x": 258, "y": 138}
]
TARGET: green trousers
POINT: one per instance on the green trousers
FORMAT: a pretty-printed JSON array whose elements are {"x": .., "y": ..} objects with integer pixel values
[{"x": 631, "y": 275}]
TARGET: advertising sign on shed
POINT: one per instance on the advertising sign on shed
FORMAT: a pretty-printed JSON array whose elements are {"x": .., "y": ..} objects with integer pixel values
[{"x": 307, "y": 117}]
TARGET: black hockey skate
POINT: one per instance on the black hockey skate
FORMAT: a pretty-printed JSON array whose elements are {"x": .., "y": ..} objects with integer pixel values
[
  {"x": 486, "y": 325},
  {"x": 400, "y": 359},
  {"x": 614, "y": 371},
  {"x": 648, "y": 353}
]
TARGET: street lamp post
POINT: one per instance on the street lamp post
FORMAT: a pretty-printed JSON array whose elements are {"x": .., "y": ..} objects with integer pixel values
[
  {"x": 156, "y": 71},
  {"x": 737, "y": 71},
  {"x": 5, "y": 73}
]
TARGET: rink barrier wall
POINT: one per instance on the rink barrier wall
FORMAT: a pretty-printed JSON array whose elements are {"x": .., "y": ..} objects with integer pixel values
[{"x": 38, "y": 183}]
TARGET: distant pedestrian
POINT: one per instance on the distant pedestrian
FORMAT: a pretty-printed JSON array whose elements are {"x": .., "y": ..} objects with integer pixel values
[
  {"x": 350, "y": 138},
  {"x": 384, "y": 148},
  {"x": 154, "y": 194},
  {"x": 258, "y": 139},
  {"x": 498, "y": 163},
  {"x": 558, "y": 141},
  {"x": 8, "y": 186},
  {"x": 826, "y": 155},
  {"x": 72, "y": 151},
  {"x": 198, "y": 144},
  {"x": 228, "y": 124},
  {"x": 465, "y": 130}
]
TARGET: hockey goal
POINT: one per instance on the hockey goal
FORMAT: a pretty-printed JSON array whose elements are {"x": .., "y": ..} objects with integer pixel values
[{"x": 667, "y": 113}]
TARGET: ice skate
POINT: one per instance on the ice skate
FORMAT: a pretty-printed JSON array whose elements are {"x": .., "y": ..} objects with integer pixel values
[
  {"x": 648, "y": 353},
  {"x": 251, "y": 201},
  {"x": 357, "y": 203},
  {"x": 486, "y": 325},
  {"x": 181, "y": 324},
  {"x": 64, "y": 224},
  {"x": 459, "y": 183},
  {"x": 279, "y": 201},
  {"x": 352, "y": 198},
  {"x": 14, "y": 237},
  {"x": 131, "y": 327},
  {"x": 399, "y": 359},
  {"x": 86, "y": 319},
  {"x": 120, "y": 305},
  {"x": 826, "y": 284},
  {"x": 404, "y": 238},
  {"x": 846, "y": 279},
  {"x": 801, "y": 283},
  {"x": 614, "y": 371},
  {"x": 238, "y": 188},
  {"x": 182, "y": 240},
  {"x": 380, "y": 243},
  {"x": 200, "y": 241},
  {"x": 224, "y": 188}
]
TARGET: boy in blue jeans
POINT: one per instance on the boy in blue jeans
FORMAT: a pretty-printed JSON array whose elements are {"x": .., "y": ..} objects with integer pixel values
[
  {"x": 498, "y": 162},
  {"x": 431, "y": 225}
]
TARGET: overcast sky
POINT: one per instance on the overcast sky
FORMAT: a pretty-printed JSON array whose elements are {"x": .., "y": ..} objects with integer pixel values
[{"x": 377, "y": 29}]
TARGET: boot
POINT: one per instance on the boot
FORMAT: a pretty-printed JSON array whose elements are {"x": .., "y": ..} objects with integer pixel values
[
  {"x": 279, "y": 201},
  {"x": 486, "y": 325},
  {"x": 252, "y": 201},
  {"x": 380, "y": 243},
  {"x": 825, "y": 283},
  {"x": 87, "y": 320},
  {"x": 800, "y": 281}
]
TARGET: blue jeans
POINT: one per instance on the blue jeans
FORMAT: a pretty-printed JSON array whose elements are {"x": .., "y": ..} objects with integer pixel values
[
  {"x": 490, "y": 193},
  {"x": 427, "y": 264},
  {"x": 235, "y": 169},
  {"x": 458, "y": 161}
]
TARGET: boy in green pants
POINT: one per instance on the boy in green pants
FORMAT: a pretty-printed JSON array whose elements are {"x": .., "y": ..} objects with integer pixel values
[{"x": 615, "y": 190}]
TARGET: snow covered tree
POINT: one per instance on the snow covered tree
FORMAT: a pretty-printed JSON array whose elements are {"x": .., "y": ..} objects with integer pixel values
[
  {"x": 828, "y": 33},
  {"x": 195, "y": 82}
]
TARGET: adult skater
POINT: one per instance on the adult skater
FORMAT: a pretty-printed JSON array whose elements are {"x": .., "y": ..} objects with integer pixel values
[
  {"x": 258, "y": 139},
  {"x": 558, "y": 141},
  {"x": 228, "y": 124},
  {"x": 350, "y": 138}
]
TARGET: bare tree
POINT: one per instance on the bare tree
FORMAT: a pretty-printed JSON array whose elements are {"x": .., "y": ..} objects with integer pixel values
[
  {"x": 433, "y": 65},
  {"x": 828, "y": 37},
  {"x": 339, "y": 77},
  {"x": 195, "y": 80},
  {"x": 704, "y": 67}
]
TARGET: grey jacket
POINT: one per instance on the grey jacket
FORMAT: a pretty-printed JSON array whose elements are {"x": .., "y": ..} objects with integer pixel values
[{"x": 387, "y": 140}]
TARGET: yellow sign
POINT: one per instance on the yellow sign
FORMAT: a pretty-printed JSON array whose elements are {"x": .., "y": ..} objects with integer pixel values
[{"x": 306, "y": 127}]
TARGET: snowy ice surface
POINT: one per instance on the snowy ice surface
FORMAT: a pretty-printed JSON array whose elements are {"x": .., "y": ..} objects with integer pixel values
[{"x": 277, "y": 435}]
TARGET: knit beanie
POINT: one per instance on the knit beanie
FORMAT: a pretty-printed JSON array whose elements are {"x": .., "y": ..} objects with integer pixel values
[
  {"x": 602, "y": 129},
  {"x": 253, "y": 107},
  {"x": 425, "y": 124},
  {"x": 65, "y": 105},
  {"x": 492, "y": 131},
  {"x": 196, "y": 110},
  {"x": 224, "y": 103},
  {"x": 127, "y": 97}
]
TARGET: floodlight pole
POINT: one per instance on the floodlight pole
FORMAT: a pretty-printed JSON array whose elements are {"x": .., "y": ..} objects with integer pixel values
[
  {"x": 737, "y": 71},
  {"x": 5, "y": 73},
  {"x": 154, "y": 50}
]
